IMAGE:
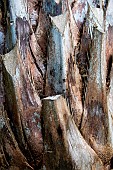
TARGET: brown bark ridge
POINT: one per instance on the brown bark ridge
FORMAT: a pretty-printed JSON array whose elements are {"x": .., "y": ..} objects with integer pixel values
[{"x": 63, "y": 143}]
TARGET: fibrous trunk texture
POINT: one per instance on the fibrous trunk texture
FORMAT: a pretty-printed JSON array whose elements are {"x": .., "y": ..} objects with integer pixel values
[{"x": 56, "y": 84}]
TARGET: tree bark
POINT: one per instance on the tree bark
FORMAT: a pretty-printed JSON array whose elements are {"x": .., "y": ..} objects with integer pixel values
[{"x": 56, "y": 84}]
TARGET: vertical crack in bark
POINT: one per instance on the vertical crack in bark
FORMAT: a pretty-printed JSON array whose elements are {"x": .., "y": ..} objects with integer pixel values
[
  {"x": 83, "y": 59},
  {"x": 109, "y": 67},
  {"x": 38, "y": 67}
]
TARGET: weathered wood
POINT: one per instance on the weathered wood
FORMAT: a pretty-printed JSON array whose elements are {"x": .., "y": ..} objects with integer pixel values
[
  {"x": 56, "y": 47},
  {"x": 63, "y": 143},
  {"x": 23, "y": 104},
  {"x": 62, "y": 72},
  {"x": 11, "y": 156}
]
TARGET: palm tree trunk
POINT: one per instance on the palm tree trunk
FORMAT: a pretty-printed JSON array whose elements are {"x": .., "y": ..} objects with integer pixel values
[{"x": 56, "y": 84}]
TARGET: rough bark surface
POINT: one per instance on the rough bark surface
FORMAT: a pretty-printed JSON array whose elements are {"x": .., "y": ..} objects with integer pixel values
[{"x": 56, "y": 84}]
